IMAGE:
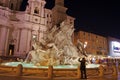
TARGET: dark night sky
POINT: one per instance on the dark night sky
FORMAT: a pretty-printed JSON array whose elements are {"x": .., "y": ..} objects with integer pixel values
[{"x": 96, "y": 16}]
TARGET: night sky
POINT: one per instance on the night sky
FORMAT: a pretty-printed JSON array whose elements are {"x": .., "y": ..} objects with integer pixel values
[{"x": 97, "y": 16}]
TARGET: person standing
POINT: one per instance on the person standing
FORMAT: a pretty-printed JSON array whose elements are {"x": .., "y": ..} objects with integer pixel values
[{"x": 83, "y": 68}]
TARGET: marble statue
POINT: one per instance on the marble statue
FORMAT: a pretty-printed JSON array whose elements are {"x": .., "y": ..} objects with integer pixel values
[{"x": 56, "y": 48}]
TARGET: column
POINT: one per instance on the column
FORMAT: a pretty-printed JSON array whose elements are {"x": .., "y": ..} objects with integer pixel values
[
  {"x": 24, "y": 42},
  {"x": 3, "y": 40},
  {"x": 6, "y": 44},
  {"x": 32, "y": 7},
  {"x": 42, "y": 8},
  {"x": 18, "y": 42},
  {"x": 28, "y": 40},
  {"x": 42, "y": 12}
]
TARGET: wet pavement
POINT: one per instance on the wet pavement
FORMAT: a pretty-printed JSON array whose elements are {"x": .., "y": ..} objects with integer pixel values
[{"x": 105, "y": 77}]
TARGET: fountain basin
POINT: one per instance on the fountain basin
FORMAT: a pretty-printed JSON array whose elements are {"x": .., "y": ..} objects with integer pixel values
[{"x": 30, "y": 65}]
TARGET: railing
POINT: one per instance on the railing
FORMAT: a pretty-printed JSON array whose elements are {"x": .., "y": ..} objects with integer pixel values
[
  {"x": 46, "y": 73},
  {"x": 53, "y": 73},
  {"x": 11, "y": 14},
  {"x": 4, "y": 11}
]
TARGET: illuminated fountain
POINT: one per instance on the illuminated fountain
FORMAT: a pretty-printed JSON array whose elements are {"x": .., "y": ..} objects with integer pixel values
[
  {"x": 55, "y": 49},
  {"x": 30, "y": 65}
]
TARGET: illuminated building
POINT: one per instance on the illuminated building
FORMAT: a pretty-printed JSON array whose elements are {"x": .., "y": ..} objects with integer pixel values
[
  {"x": 96, "y": 44},
  {"x": 19, "y": 28}
]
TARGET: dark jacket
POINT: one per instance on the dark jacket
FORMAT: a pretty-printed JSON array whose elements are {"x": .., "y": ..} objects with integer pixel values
[{"x": 82, "y": 64}]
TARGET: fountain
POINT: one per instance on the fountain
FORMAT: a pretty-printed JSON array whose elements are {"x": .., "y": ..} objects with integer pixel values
[
  {"x": 30, "y": 65},
  {"x": 56, "y": 49}
]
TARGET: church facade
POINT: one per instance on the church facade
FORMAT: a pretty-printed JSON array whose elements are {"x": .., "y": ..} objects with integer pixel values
[{"x": 19, "y": 28}]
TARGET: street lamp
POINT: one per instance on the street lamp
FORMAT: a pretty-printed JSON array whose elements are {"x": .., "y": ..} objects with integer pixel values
[{"x": 85, "y": 44}]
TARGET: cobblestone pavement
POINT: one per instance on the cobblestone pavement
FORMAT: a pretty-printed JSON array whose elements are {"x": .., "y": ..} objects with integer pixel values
[{"x": 106, "y": 77}]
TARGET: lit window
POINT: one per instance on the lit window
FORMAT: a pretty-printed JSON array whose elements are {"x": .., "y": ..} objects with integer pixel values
[{"x": 34, "y": 37}]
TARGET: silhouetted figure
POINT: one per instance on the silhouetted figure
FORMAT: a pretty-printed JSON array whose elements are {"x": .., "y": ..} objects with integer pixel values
[{"x": 83, "y": 68}]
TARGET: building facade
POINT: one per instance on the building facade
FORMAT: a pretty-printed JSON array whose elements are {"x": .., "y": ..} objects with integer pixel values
[
  {"x": 19, "y": 28},
  {"x": 96, "y": 44}
]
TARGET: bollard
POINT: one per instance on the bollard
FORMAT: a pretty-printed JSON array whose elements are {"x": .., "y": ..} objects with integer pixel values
[
  {"x": 101, "y": 71},
  {"x": 119, "y": 66},
  {"x": 19, "y": 70},
  {"x": 1, "y": 60},
  {"x": 78, "y": 72},
  {"x": 50, "y": 72},
  {"x": 114, "y": 70},
  {"x": 11, "y": 60}
]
